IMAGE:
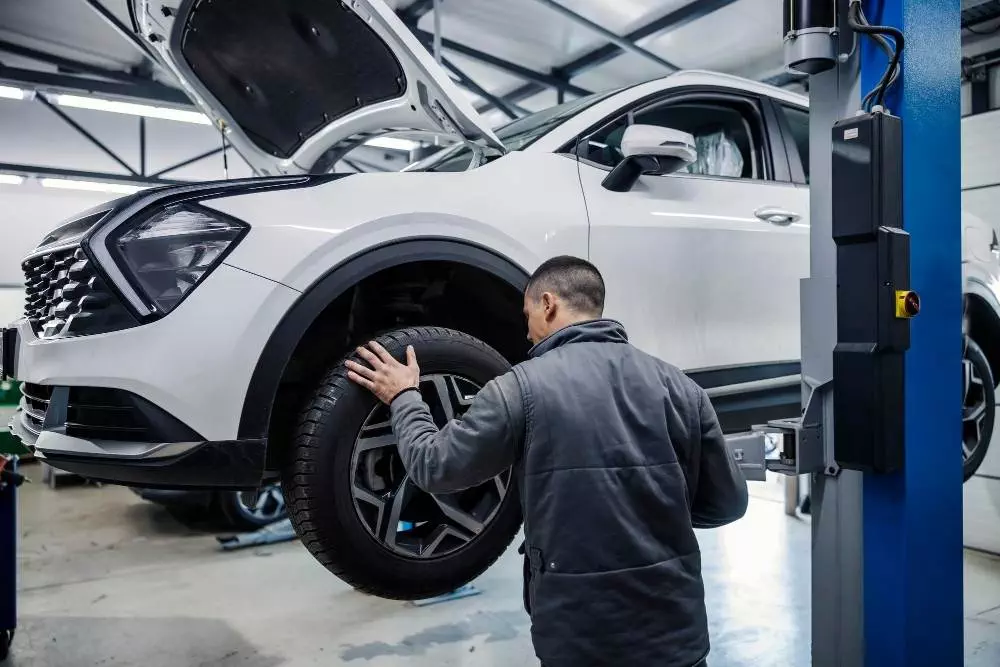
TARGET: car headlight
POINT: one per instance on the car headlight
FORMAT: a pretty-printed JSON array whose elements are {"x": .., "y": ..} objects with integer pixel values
[{"x": 167, "y": 254}]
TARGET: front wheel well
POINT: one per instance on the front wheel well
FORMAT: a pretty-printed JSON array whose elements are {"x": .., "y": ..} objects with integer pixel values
[
  {"x": 982, "y": 324},
  {"x": 444, "y": 293}
]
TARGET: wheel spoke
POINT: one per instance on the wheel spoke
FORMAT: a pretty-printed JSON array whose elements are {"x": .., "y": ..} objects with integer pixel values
[
  {"x": 375, "y": 442},
  {"x": 366, "y": 496},
  {"x": 439, "y": 535},
  {"x": 459, "y": 517},
  {"x": 966, "y": 450},
  {"x": 444, "y": 396},
  {"x": 975, "y": 413},
  {"x": 376, "y": 427},
  {"x": 398, "y": 500}
]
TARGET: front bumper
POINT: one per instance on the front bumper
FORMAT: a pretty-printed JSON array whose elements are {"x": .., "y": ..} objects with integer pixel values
[{"x": 194, "y": 366}]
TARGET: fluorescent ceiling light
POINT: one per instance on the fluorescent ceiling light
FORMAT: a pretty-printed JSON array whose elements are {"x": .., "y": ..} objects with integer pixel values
[
  {"x": 11, "y": 179},
  {"x": 12, "y": 93},
  {"x": 94, "y": 186},
  {"x": 394, "y": 143},
  {"x": 131, "y": 109}
]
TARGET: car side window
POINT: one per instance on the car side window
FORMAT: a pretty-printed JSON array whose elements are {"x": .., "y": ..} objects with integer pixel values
[
  {"x": 797, "y": 120},
  {"x": 728, "y": 145}
]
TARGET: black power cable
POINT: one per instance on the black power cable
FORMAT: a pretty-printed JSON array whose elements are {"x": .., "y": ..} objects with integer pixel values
[{"x": 894, "y": 50}]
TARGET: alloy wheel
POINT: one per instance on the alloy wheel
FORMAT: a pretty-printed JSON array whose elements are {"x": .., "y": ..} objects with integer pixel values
[
  {"x": 395, "y": 512},
  {"x": 269, "y": 505},
  {"x": 974, "y": 409}
]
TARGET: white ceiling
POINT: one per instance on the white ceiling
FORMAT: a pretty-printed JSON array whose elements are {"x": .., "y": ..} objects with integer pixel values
[{"x": 524, "y": 32}]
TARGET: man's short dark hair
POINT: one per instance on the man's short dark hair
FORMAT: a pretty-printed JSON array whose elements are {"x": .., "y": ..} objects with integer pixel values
[{"x": 576, "y": 281}]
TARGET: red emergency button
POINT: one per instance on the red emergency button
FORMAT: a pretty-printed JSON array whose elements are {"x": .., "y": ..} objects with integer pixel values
[{"x": 907, "y": 303}]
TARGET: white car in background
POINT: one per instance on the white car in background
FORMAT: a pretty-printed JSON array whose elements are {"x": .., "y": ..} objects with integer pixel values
[{"x": 193, "y": 336}]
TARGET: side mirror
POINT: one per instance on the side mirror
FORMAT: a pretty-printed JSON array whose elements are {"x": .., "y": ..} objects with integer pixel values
[{"x": 650, "y": 149}]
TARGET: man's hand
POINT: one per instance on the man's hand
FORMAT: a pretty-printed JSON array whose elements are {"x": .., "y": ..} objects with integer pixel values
[{"x": 387, "y": 377}]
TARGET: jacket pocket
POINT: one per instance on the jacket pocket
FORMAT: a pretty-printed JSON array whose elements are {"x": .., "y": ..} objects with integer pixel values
[
  {"x": 534, "y": 565},
  {"x": 526, "y": 590}
]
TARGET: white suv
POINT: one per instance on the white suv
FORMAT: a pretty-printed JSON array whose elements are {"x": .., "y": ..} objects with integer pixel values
[{"x": 192, "y": 336}]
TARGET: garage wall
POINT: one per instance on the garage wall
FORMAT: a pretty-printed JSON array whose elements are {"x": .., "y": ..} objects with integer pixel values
[{"x": 980, "y": 166}]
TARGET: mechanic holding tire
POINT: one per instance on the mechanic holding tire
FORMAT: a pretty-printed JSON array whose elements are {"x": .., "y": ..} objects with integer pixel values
[{"x": 619, "y": 456}]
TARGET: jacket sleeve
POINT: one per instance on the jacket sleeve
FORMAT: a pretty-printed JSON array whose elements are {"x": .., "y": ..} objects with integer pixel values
[
  {"x": 721, "y": 495},
  {"x": 467, "y": 451}
]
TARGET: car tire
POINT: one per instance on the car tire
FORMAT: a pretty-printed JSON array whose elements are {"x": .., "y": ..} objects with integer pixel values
[
  {"x": 344, "y": 488},
  {"x": 243, "y": 510},
  {"x": 978, "y": 407}
]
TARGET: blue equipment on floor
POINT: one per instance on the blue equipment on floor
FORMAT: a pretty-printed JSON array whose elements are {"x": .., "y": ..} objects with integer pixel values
[
  {"x": 10, "y": 479},
  {"x": 466, "y": 591},
  {"x": 279, "y": 531}
]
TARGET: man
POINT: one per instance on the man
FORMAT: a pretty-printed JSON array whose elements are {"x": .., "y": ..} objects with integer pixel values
[{"x": 619, "y": 456}]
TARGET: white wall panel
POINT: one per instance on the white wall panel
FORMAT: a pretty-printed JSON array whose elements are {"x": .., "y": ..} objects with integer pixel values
[{"x": 980, "y": 150}]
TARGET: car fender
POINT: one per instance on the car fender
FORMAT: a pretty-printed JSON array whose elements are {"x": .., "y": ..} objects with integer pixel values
[{"x": 266, "y": 378}]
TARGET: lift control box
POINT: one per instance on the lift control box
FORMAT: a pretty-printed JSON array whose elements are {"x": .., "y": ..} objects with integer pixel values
[{"x": 874, "y": 300}]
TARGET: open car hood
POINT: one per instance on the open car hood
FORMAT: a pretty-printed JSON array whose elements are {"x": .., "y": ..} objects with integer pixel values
[{"x": 297, "y": 83}]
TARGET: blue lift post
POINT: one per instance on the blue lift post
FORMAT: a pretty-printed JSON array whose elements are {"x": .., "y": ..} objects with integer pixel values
[
  {"x": 887, "y": 548},
  {"x": 913, "y": 519}
]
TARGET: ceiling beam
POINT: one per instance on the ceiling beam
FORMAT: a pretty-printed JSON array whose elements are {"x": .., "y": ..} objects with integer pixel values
[
  {"x": 623, "y": 43},
  {"x": 59, "y": 172},
  {"x": 67, "y": 64},
  {"x": 509, "y": 109},
  {"x": 189, "y": 161},
  {"x": 125, "y": 32},
  {"x": 86, "y": 134},
  {"x": 145, "y": 92},
  {"x": 671, "y": 21},
  {"x": 546, "y": 80}
]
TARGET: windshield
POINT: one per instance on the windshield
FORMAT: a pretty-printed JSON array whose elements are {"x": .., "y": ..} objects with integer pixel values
[{"x": 515, "y": 135}]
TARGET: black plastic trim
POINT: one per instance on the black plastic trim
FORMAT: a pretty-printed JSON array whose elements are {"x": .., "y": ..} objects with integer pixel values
[
  {"x": 776, "y": 141},
  {"x": 738, "y": 411},
  {"x": 223, "y": 464},
  {"x": 8, "y": 364},
  {"x": 795, "y": 165},
  {"x": 722, "y": 376},
  {"x": 155, "y": 423},
  {"x": 263, "y": 387}
]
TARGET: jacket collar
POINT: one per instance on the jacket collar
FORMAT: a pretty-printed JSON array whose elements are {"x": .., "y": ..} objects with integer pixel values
[{"x": 591, "y": 331}]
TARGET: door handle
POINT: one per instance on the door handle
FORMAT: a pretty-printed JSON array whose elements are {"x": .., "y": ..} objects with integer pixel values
[{"x": 776, "y": 216}]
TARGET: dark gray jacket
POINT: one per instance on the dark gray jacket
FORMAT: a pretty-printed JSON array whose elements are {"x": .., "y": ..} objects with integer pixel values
[{"x": 619, "y": 457}]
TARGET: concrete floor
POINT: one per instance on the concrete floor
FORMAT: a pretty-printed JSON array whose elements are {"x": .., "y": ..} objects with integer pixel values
[{"x": 109, "y": 580}]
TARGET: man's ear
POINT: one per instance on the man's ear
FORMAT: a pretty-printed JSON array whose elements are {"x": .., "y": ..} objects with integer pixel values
[{"x": 549, "y": 305}]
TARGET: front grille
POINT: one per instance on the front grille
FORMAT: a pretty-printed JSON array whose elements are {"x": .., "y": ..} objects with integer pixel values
[
  {"x": 97, "y": 413},
  {"x": 65, "y": 296},
  {"x": 34, "y": 403}
]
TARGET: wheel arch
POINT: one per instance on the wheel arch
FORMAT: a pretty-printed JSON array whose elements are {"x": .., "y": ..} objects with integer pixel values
[
  {"x": 255, "y": 418},
  {"x": 981, "y": 322}
]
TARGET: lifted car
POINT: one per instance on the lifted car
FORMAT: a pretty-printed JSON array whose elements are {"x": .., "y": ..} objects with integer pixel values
[{"x": 194, "y": 336}]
